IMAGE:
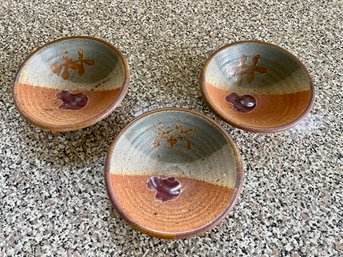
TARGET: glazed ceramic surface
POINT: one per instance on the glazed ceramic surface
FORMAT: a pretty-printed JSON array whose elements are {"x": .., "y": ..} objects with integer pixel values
[
  {"x": 257, "y": 86},
  {"x": 173, "y": 173},
  {"x": 71, "y": 83}
]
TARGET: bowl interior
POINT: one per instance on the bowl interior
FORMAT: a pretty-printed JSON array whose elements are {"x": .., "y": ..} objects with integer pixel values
[
  {"x": 173, "y": 173},
  {"x": 257, "y": 86},
  {"x": 69, "y": 81}
]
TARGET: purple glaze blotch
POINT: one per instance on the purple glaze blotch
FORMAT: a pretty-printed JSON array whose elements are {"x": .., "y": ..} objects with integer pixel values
[
  {"x": 72, "y": 101},
  {"x": 244, "y": 103},
  {"x": 166, "y": 188}
]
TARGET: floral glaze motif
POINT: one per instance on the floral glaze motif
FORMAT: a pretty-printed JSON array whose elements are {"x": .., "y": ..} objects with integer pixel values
[{"x": 166, "y": 188}]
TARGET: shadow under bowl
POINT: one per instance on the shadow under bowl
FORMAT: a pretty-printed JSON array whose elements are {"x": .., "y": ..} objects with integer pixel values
[
  {"x": 173, "y": 173},
  {"x": 71, "y": 83},
  {"x": 257, "y": 86}
]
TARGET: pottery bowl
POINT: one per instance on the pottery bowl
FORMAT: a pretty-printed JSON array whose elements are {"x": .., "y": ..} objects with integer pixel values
[
  {"x": 173, "y": 173},
  {"x": 257, "y": 86},
  {"x": 71, "y": 83}
]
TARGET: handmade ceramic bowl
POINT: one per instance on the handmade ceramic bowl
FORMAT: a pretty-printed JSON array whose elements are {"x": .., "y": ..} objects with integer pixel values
[
  {"x": 257, "y": 86},
  {"x": 71, "y": 83},
  {"x": 173, "y": 173}
]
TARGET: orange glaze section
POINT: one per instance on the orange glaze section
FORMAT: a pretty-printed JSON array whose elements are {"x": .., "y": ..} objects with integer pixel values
[
  {"x": 40, "y": 104},
  {"x": 198, "y": 204},
  {"x": 270, "y": 110}
]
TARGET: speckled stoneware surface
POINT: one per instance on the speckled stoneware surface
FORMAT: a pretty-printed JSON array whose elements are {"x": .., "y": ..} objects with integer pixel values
[
  {"x": 257, "y": 86},
  {"x": 52, "y": 191},
  {"x": 173, "y": 173},
  {"x": 71, "y": 83}
]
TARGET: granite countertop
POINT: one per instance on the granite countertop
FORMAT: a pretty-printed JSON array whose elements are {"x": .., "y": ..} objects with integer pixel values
[{"x": 53, "y": 199}]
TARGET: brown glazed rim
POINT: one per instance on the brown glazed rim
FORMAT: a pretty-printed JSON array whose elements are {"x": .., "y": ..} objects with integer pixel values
[
  {"x": 245, "y": 127},
  {"x": 185, "y": 234},
  {"x": 92, "y": 120}
]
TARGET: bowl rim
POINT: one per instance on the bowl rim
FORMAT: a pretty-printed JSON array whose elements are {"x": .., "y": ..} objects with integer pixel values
[
  {"x": 91, "y": 120},
  {"x": 185, "y": 234},
  {"x": 213, "y": 107}
]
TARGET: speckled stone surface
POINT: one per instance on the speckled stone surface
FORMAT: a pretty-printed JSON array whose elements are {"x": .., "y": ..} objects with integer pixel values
[{"x": 52, "y": 196}]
